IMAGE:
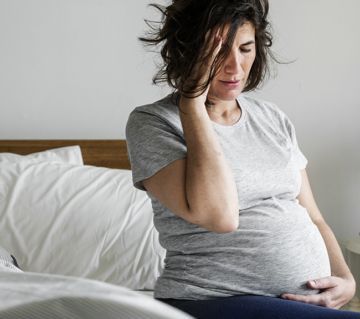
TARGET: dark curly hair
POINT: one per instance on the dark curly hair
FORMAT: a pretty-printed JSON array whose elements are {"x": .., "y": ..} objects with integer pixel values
[{"x": 182, "y": 35}]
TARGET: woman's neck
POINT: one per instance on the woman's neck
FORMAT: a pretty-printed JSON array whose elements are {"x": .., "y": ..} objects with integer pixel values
[{"x": 224, "y": 112}]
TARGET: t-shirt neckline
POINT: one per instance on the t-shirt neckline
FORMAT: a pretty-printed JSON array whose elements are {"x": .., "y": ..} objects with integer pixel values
[{"x": 240, "y": 121}]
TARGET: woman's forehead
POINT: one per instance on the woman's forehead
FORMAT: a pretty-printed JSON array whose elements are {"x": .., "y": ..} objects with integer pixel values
[{"x": 244, "y": 33}]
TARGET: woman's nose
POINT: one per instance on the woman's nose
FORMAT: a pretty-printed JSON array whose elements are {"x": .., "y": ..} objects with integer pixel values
[{"x": 233, "y": 63}]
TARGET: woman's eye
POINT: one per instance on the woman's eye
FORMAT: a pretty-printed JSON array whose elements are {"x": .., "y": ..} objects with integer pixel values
[{"x": 245, "y": 50}]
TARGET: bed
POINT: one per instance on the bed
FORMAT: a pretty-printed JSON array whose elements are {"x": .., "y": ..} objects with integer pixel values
[{"x": 77, "y": 240}]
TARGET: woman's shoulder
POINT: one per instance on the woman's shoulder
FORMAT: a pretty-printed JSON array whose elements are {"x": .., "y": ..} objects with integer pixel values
[
  {"x": 163, "y": 112},
  {"x": 161, "y": 108},
  {"x": 268, "y": 112},
  {"x": 262, "y": 108}
]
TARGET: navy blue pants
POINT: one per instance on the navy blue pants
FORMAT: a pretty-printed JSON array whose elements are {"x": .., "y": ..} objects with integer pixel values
[{"x": 256, "y": 307}]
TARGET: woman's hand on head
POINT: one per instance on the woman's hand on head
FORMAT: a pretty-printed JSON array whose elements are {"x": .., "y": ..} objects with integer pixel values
[
  {"x": 334, "y": 292},
  {"x": 203, "y": 67},
  {"x": 213, "y": 44}
]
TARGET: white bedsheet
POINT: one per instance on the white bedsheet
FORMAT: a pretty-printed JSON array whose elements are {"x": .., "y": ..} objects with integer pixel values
[{"x": 25, "y": 295}]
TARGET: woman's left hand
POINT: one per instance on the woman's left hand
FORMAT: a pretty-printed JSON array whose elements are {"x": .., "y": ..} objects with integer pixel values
[{"x": 334, "y": 292}]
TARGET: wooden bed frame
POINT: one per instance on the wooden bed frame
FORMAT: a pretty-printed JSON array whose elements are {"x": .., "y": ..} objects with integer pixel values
[{"x": 106, "y": 153}]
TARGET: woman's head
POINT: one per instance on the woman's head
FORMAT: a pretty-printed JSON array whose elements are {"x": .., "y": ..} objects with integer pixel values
[
  {"x": 235, "y": 66},
  {"x": 187, "y": 28}
]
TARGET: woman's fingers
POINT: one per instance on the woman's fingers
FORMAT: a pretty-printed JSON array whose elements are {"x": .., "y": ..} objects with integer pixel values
[
  {"x": 323, "y": 283},
  {"x": 317, "y": 299},
  {"x": 204, "y": 66},
  {"x": 213, "y": 43},
  {"x": 335, "y": 292}
]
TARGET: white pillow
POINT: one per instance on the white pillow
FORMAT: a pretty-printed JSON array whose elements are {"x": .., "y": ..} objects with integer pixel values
[
  {"x": 68, "y": 154},
  {"x": 82, "y": 221}
]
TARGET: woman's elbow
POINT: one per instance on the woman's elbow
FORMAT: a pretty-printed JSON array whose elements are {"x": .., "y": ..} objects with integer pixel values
[
  {"x": 226, "y": 227},
  {"x": 223, "y": 224}
]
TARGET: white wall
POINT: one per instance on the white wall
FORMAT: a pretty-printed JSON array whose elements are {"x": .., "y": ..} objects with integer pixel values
[
  {"x": 74, "y": 69},
  {"x": 320, "y": 93},
  {"x": 71, "y": 68}
]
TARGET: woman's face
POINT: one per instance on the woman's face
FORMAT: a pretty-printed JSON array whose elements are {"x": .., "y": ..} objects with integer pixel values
[{"x": 232, "y": 76}]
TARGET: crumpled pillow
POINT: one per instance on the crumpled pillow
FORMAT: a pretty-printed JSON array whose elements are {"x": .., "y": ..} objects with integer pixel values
[{"x": 81, "y": 221}]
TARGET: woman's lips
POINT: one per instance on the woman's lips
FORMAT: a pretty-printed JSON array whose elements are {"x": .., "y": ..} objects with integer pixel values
[{"x": 231, "y": 84}]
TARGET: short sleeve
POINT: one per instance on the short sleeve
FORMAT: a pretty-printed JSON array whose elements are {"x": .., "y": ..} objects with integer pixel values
[
  {"x": 152, "y": 144},
  {"x": 297, "y": 153}
]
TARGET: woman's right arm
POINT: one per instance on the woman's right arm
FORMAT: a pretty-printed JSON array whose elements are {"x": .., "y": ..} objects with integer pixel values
[
  {"x": 210, "y": 187},
  {"x": 201, "y": 188}
]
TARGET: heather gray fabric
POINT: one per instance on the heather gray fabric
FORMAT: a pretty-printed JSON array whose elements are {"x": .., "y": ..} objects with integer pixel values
[{"x": 276, "y": 247}]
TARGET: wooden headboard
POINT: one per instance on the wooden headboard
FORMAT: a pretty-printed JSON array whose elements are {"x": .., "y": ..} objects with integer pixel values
[{"x": 106, "y": 153}]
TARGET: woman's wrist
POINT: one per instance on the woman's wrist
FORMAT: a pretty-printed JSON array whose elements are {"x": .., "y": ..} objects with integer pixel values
[
  {"x": 193, "y": 105},
  {"x": 351, "y": 280},
  {"x": 351, "y": 284},
  {"x": 345, "y": 275}
]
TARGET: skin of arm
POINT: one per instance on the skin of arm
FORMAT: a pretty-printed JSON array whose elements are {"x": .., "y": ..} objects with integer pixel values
[
  {"x": 339, "y": 288},
  {"x": 205, "y": 192},
  {"x": 210, "y": 186}
]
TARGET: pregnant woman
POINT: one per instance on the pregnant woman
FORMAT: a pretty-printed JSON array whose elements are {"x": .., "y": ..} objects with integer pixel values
[{"x": 227, "y": 180}]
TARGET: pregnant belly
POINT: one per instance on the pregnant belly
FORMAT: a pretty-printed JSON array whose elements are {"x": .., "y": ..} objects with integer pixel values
[
  {"x": 272, "y": 252},
  {"x": 287, "y": 251}
]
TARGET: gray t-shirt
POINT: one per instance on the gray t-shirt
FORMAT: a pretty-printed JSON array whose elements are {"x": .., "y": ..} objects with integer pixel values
[{"x": 276, "y": 247}]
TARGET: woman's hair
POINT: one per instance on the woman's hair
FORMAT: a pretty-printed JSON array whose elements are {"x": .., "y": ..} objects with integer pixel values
[{"x": 182, "y": 34}]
